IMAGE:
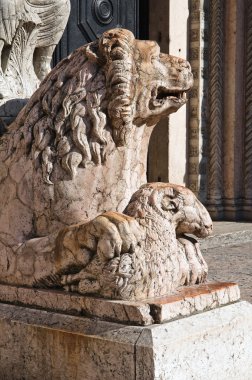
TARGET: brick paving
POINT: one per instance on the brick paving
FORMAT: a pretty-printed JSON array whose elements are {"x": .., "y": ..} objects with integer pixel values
[{"x": 232, "y": 263}]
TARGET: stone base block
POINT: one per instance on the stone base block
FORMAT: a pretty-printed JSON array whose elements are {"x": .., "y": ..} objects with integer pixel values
[
  {"x": 188, "y": 300},
  {"x": 37, "y": 344}
]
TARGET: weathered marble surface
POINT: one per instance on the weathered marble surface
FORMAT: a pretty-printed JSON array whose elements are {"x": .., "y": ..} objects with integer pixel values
[
  {"x": 78, "y": 149},
  {"x": 213, "y": 345},
  {"x": 153, "y": 261},
  {"x": 29, "y": 33},
  {"x": 194, "y": 299},
  {"x": 36, "y": 344},
  {"x": 187, "y": 301}
]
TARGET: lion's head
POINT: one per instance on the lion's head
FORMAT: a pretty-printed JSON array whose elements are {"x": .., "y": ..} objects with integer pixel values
[
  {"x": 99, "y": 94},
  {"x": 143, "y": 85}
]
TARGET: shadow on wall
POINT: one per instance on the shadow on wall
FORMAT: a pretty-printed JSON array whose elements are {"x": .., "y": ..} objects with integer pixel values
[{"x": 8, "y": 112}]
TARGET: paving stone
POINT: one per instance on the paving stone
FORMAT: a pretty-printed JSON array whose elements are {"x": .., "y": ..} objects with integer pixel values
[
  {"x": 227, "y": 233},
  {"x": 232, "y": 263}
]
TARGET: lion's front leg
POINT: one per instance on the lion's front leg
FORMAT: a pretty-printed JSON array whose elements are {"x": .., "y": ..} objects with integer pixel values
[
  {"x": 75, "y": 256},
  {"x": 111, "y": 237},
  {"x": 110, "y": 234}
]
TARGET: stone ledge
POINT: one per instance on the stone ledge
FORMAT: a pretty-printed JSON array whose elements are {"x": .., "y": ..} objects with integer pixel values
[
  {"x": 194, "y": 299},
  {"x": 187, "y": 301}
]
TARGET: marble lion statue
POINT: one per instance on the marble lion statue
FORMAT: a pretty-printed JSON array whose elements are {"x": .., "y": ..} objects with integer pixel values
[{"x": 71, "y": 161}]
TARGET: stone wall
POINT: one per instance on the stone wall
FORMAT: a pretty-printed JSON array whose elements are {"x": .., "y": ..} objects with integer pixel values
[
  {"x": 167, "y": 151},
  {"x": 209, "y": 149},
  {"x": 226, "y": 118}
]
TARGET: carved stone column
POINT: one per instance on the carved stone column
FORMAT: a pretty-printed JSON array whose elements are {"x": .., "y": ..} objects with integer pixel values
[
  {"x": 197, "y": 106},
  {"x": 215, "y": 110},
  {"x": 233, "y": 110},
  {"x": 248, "y": 117}
]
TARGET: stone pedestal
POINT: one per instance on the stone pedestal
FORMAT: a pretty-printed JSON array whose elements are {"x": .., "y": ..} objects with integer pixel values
[
  {"x": 37, "y": 344},
  {"x": 213, "y": 344},
  {"x": 185, "y": 302}
]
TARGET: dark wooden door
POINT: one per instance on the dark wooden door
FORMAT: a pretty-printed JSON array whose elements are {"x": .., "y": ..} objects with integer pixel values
[{"x": 90, "y": 18}]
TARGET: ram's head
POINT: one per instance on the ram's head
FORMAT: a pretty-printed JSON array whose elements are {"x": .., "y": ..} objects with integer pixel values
[{"x": 175, "y": 203}]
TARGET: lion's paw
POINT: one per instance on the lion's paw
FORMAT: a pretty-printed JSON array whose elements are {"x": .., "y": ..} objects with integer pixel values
[{"x": 112, "y": 234}]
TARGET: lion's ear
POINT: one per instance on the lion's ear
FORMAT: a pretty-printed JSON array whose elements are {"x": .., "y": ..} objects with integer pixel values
[{"x": 113, "y": 39}]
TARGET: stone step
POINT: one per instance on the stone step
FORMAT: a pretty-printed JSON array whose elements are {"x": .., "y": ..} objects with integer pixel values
[{"x": 227, "y": 233}]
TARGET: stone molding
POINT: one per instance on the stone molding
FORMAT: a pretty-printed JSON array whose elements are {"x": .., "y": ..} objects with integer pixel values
[
  {"x": 248, "y": 113},
  {"x": 198, "y": 51},
  {"x": 215, "y": 104},
  {"x": 219, "y": 161}
]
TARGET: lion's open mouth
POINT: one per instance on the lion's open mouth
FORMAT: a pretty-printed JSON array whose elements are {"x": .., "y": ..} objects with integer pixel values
[{"x": 162, "y": 94}]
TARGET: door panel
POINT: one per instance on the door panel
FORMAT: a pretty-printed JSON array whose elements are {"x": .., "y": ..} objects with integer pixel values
[{"x": 90, "y": 18}]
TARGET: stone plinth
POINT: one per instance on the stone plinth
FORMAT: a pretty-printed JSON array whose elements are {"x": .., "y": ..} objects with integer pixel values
[
  {"x": 187, "y": 301},
  {"x": 212, "y": 345},
  {"x": 216, "y": 344}
]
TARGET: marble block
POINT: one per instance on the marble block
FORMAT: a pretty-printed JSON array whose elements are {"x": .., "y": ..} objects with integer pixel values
[
  {"x": 187, "y": 301},
  {"x": 216, "y": 344}
]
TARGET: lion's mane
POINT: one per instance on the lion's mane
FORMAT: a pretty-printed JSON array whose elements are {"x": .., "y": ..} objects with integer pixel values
[{"x": 86, "y": 93}]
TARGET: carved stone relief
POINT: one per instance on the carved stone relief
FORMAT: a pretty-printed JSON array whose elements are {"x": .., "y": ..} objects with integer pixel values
[
  {"x": 219, "y": 147},
  {"x": 69, "y": 166},
  {"x": 29, "y": 33},
  {"x": 215, "y": 104},
  {"x": 248, "y": 113},
  {"x": 198, "y": 50}
]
